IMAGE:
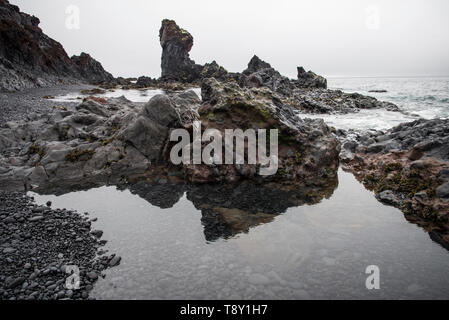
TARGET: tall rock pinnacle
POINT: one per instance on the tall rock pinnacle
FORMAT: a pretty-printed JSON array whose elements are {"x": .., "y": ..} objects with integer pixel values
[{"x": 176, "y": 44}]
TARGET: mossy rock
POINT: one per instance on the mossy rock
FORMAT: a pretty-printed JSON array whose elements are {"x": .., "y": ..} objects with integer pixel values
[{"x": 77, "y": 155}]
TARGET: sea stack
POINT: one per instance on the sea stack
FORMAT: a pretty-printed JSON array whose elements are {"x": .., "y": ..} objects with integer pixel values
[{"x": 176, "y": 44}]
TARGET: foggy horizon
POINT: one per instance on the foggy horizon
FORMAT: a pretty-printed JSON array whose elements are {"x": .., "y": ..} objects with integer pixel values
[{"x": 335, "y": 39}]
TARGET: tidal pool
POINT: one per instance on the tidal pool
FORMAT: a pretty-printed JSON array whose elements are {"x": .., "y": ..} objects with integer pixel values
[{"x": 253, "y": 243}]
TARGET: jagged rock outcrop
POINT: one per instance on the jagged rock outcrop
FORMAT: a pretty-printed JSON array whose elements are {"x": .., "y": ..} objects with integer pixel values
[
  {"x": 108, "y": 139},
  {"x": 91, "y": 70},
  {"x": 308, "y": 151},
  {"x": 176, "y": 44},
  {"x": 408, "y": 167},
  {"x": 310, "y": 79},
  {"x": 29, "y": 58},
  {"x": 104, "y": 140},
  {"x": 176, "y": 63},
  {"x": 260, "y": 74},
  {"x": 144, "y": 82}
]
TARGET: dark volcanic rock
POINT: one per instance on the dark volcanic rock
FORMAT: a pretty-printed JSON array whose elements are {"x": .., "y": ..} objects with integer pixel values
[
  {"x": 308, "y": 151},
  {"x": 176, "y": 63},
  {"x": 144, "y": 82},
  {"x": 176, "y": 44},
  {"x": 91, "y": 70},
  {"x": 260, "y": 74},
  {"x": 36, "y": 268},
  {"x": 406, "y": 166},
  {"x": 310, "y": 79},
  {"x": 29, "y": 58}
]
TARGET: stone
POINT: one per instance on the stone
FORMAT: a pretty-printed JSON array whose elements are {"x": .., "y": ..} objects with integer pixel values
[
  {"x": 161, "y": 110},
  {"x": 9, "y": 250},
  {"x": 97, "y": 233},
  {"x": 92, "y": 275},
  {"x": 443, "y": 190},
  {"x": 35, "y": 219},
  {"x": 147, "y": 136},
  {"x": 115, "y": 261},
  {"x": 15, "y": 282},
  {"x": 388, "y": 197}
]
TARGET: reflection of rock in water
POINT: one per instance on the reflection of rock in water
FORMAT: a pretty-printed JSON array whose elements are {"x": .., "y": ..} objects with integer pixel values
[
  {"x": 161, "y": 195},
  {"x": 227, "y": 209},
  {"x": 230, "y": 209}
]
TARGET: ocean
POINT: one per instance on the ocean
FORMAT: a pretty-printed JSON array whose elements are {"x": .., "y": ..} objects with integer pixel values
[{"x": 417, "y": 98}]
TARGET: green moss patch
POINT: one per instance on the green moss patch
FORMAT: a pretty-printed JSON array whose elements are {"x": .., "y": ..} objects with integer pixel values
[{"x": 77, "y": 155}]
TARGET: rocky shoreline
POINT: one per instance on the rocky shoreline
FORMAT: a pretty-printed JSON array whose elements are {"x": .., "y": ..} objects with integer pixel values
[
  {"x": 28, "y": 104},
  {"x": 38, "y": 243},
  {"x": 407, "y": 167}
]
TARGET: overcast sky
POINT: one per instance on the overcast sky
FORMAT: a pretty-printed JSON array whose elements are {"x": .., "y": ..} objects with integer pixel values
[{"x": 329, "y": 37}]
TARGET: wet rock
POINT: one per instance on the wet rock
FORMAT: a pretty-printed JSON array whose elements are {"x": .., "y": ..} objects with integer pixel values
[
  {"x": 92, "y": 275},
  {"x": 14, "y": 282},
  {"x": 9, "y": 250},
  {"x": 443, "y": 191},
  {"x": 388, "y": 197},
  {"x": 115, "y": 261},
  {"x": 35, "y": 219},
  {"x": 407, "y": 170},
  {"x": 24, "y": 279},
  {"x": 97, "y": 233}
]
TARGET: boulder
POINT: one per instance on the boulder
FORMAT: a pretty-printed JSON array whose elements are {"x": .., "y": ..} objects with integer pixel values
[
  {"x": 147, "y": 136},
  {"x": 161, "y": 110}
]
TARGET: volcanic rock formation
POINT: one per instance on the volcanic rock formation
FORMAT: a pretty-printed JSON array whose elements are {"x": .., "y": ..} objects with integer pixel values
[
  {"x": 29, "y": 58},
  {"x": 176, "y": 63},
  {"x": 408, "y": 167}
]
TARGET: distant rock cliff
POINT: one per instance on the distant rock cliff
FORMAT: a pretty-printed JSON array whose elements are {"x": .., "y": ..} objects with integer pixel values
[
  {"x": 90, "y": 69},
  {"x": 29, "y": 58}
]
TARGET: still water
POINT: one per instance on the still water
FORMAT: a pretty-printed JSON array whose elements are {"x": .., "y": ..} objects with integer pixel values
[{"x": 244, "y": 242}]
